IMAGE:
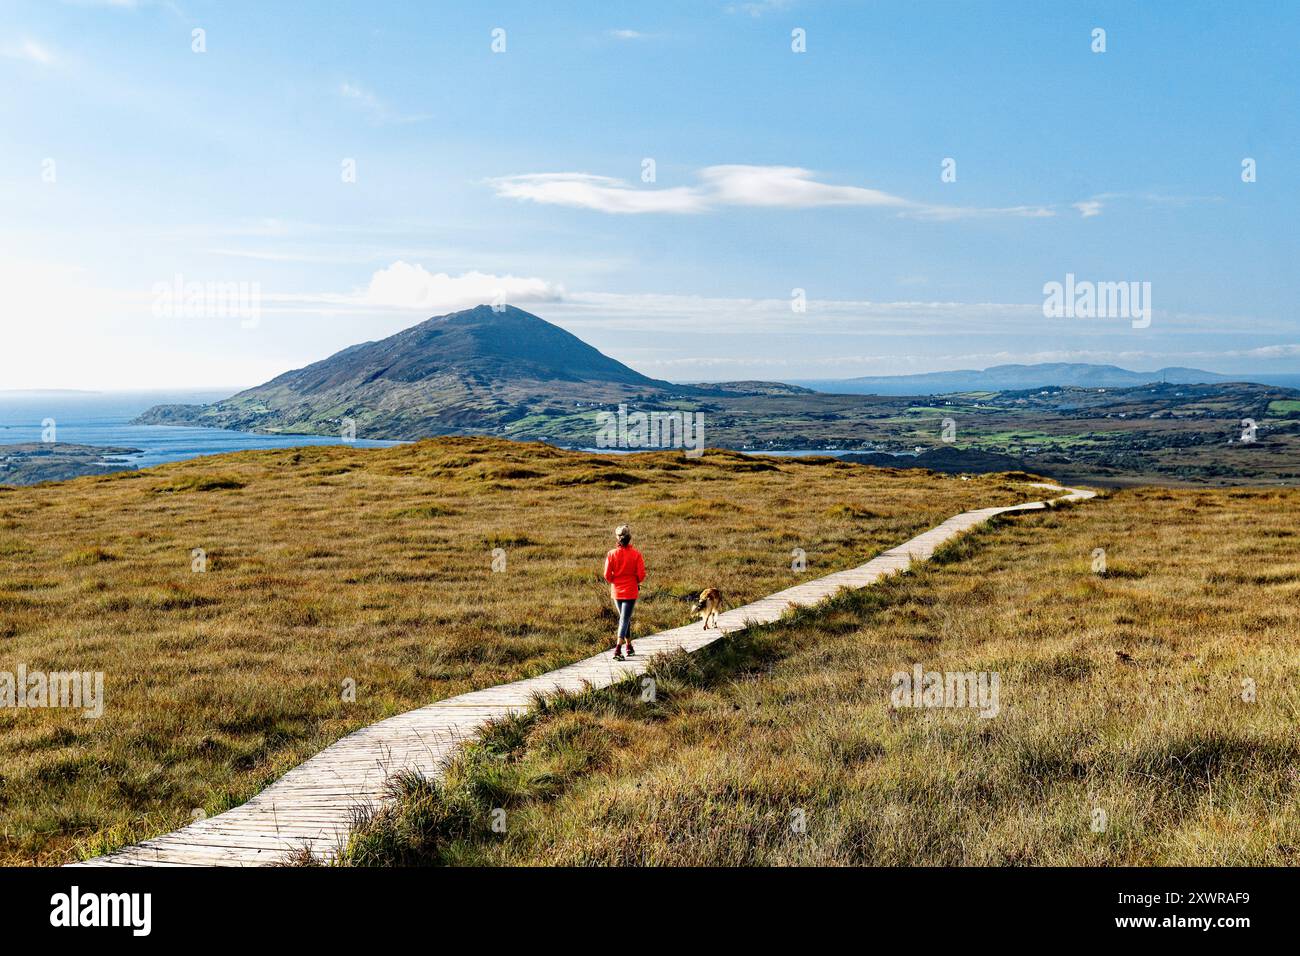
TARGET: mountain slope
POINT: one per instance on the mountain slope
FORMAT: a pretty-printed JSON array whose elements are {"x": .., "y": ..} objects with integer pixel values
[
  {"x": 509, "y": 344},
  {"x": 476, "y": 369}
]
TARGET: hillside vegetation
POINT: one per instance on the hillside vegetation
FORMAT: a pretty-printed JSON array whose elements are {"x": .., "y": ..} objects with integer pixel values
[
  {"x": 330, "y": 566},
  {"x": 1147, "y": 716}
]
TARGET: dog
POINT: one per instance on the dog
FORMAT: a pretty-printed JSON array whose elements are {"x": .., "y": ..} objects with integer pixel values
[{"x": 708, "y": 606}]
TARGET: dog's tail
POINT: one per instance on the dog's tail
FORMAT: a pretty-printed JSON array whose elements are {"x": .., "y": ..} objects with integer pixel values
[{"x": 707, "y": 595}]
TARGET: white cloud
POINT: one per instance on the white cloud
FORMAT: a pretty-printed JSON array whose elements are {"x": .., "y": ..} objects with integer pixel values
[
  {"x": 756, "y": 8},
  {"x": 168, "y": 5},
  {"x": 261, "y": 255},
  {"x": 779, "y": 187},
  {"x": 31, "y": 51},
  {"x": 626, "y": 34},
  {"x": 1267, "y": 352},
  {"x": 601, "y": 193},
  {"x": 1089, "y": 208},
  {"x": 670, "y": 313},
  {"x": 378, "y": 110},
  {"x": 949, "y": 213},
  {"x": 405, "y": 285},
  {"x": 1158, "y": 199},
  {"x": 786, "y": 186}
]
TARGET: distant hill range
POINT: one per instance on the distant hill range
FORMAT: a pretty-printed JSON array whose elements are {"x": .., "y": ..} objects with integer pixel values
[{"x": 1001, "y": 378}]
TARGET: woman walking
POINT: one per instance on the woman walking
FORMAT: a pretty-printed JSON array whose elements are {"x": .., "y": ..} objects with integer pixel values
[{"x": 624, "y": 570}]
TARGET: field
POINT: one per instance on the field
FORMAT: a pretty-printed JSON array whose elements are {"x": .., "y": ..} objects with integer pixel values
[
  {"x": 332, "y": 567},
  {"x": 1170, "y": 435},
  {"x": 1147, "y": 716}
]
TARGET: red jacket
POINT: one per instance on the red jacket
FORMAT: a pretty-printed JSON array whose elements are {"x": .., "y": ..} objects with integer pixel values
[{"x": 624, "y": 570}]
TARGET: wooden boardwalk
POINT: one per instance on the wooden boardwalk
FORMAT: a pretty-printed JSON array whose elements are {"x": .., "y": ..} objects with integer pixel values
[{"x": 311, "y": 805}]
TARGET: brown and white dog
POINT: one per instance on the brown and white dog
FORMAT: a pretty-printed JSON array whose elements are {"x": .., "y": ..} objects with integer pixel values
[{"x": 708, "y": 606}]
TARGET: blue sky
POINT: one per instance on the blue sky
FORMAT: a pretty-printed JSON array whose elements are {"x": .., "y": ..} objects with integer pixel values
[{"x": 128, "y": 160}]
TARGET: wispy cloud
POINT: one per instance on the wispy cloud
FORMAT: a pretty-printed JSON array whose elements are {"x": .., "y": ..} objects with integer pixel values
[
  {"x": 262, "y": 255},
  {"x": 948, "y": 213},
  {"x": 659, "y": 312},
  {"x": 127, "y": 5},
  {"x": 1267, "y": 351},
  {"x": 1094, "y": 205},
  {"x": 599, "y": 193},
  {"x": 626, "y": 34},
  {"x": 31, "y": 51},
  {"x": 786, "y": 187},
  {"x": 757, "y": 8},
  {"x": 780, "y": 187},
  {"x": 377, "y": 109},
  {"x": 404, "y": 285}
]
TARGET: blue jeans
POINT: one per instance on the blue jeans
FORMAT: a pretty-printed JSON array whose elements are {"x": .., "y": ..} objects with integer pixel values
[{"x": 625, "y": 618}]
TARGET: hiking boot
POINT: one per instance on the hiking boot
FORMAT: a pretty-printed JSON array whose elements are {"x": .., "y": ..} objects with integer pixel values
[
  {"x": 618, "y": 654},
  {"x": 630, "y": 652}
]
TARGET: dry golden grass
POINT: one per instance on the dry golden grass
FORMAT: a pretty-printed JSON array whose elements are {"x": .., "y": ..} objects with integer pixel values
[
  {"x": 329, "y": 564},
  {"x": 1202, "y": 593}
]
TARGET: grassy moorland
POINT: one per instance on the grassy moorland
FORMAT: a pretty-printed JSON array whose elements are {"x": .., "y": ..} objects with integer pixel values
[
  {"x": 333, "y": 564},
  {"x": 1126, "y": 733}
]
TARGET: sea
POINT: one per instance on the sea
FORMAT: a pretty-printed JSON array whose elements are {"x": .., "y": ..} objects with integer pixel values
[{"x": 104, "y": 419}]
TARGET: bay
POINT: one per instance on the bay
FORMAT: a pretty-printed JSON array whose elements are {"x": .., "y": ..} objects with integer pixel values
[{"x": 103, "y": 418}]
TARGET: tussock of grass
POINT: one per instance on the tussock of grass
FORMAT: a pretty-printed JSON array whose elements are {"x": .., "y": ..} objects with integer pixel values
[
  {"x": 513, "y": 473},
  {"x": 611, "y": 479},
  {"x": 89, "y": 556},
  {"x": 849, "y": 512},
  {"x": 423, "y": 512},
  {"x": 184, "y": 483},
  {"x": 507, "y": 540}
]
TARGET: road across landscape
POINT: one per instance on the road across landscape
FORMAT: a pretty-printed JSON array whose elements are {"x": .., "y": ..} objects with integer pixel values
[{"x": 312, "y": 805}]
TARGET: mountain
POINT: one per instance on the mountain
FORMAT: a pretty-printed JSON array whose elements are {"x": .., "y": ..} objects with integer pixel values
[
  {"x": 479, "y": 369},
  {"x": 1012, "y": 377}
]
